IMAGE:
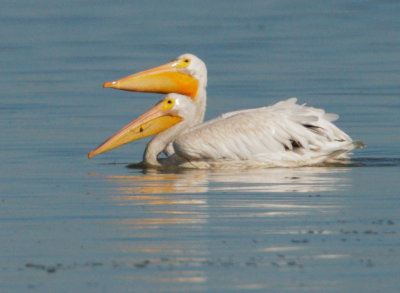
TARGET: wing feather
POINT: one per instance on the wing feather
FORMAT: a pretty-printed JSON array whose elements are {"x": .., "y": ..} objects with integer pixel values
[{"x": 283, "y": 131}]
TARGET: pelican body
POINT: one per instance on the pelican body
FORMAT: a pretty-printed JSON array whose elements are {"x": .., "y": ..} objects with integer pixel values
[{"x": 285, "y": 134}]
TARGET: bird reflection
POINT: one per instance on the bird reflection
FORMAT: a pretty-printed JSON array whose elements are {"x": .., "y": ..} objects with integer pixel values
[
  {"x": 162, "y": 206},
  {"x": 310, "y": 179},
  {"x": 182, "y": 198}
]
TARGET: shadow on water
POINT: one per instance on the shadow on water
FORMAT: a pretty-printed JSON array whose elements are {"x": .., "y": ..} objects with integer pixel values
[
  {"x": 354, "y": 162},
  {"x": 375, "y": 162}
]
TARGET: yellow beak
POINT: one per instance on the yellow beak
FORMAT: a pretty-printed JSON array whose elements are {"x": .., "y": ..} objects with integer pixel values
[
  {"x": 162, "y": 79},
  {"x": 152, "y": 122}
]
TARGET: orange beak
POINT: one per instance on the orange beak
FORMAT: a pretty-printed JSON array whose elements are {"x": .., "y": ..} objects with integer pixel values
[
  {"x": 152, "y": 122},
  {"x": 162, "y": 79}
]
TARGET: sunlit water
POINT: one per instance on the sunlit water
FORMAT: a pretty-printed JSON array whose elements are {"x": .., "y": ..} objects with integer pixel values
[{"x": 68, "y": 224}]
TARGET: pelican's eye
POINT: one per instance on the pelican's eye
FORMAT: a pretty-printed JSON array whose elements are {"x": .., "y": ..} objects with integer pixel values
[
  {"x": 184, "y": 63},
  {"x": 168, "y": 104}
]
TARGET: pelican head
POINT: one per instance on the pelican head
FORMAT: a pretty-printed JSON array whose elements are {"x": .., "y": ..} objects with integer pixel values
[
  {"x": 168, "y": 118},
  {"x": 185, "y": 75}
]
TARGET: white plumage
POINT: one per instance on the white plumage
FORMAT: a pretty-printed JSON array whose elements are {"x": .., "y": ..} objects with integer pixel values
[{"x": 284, "y": 134}]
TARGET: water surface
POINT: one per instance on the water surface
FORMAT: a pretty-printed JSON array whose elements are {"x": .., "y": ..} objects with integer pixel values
[{"x": 70, "y": 225}]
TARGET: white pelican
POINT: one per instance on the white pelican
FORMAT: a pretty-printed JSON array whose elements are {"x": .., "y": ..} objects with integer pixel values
[
  {"x": 186, "y": 75},
  {"x": 285, "y": 134}
]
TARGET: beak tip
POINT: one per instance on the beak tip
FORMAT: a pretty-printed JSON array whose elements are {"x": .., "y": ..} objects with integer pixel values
[
  {"x": 90, "y": 155},
  {"x": 111, "y": 84}
]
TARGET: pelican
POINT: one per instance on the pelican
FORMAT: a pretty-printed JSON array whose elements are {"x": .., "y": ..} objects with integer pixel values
[
  {"x": 285, "y": 134},
  {"x": 186, "y": 75}
]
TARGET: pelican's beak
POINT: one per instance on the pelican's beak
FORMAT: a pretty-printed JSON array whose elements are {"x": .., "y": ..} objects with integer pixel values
[
  {"x": 152, "y": 122},
  {"x": 162, "y": 79}
]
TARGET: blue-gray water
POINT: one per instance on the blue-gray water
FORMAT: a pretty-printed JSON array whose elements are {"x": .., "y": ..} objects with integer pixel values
[{"x": 68, "y": 224}]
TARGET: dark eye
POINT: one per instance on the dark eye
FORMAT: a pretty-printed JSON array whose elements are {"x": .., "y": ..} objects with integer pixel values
[
  {"x": 186, "y": 60},
  {"x": 169, "y": 101}
]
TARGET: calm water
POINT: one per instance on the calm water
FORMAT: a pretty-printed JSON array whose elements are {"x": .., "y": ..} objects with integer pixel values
[{"x": 68, "y": 224}]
